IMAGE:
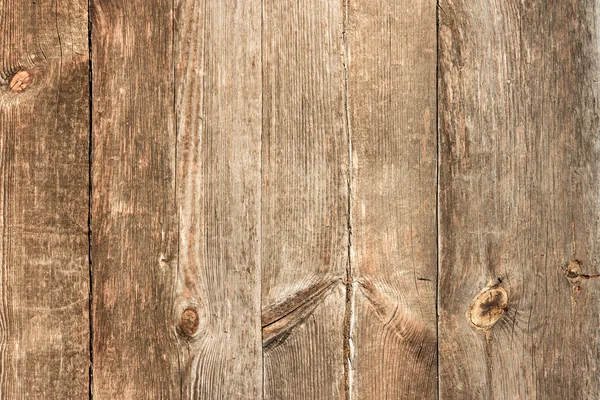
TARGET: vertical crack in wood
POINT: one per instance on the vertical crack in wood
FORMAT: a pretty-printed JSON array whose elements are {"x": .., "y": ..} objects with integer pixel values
[
  {"x": 260, "y": 192},
  {"x": 89, "y": 221},
  {"x": 437, "y": 195},
  {"x": 349, "y": 310},
  {"x": 176, "y": 175}
]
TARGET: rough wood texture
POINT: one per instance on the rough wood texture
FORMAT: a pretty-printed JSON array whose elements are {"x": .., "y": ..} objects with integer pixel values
[
  {"x": 134, "y": 221},
  {"x": 218, "y": 92},
  {"x": 265, "y": 181},
  {"x": 392, "y": 98},
  {"x": 44, "y": 275},
  {"x": 519, "y": 157},
  {"x": 304, "y": 200}
]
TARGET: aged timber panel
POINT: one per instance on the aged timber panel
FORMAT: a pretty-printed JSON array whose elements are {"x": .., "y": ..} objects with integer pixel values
[
  {"x": 177, "y": 166},
  {"x": 134, "y": 223},
  {"x": 392, "y": 108},
  {"x": 218, "y": 94},
  {"x": 304, "y": 200},
  {"x": 519, "y": 199},
  {"x": 44, "y": 136}
]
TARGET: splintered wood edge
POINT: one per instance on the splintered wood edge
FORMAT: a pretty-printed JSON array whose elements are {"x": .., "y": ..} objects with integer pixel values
[{"x": 487, "y": 307}]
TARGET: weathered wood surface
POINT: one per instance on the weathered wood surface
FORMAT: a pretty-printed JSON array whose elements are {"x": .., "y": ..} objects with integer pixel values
[
  {"x": 265, "y": 220},
  {"x": 134, "y": 219},
  {"x": 304, "y": 200},
  {"x": 44, "y": 142},
  {"x": 218, "y": 95},
  {"x": 519, "y": 164},
  {"x": 176, "y": 200},
  {"x": 392, "y": 108}
]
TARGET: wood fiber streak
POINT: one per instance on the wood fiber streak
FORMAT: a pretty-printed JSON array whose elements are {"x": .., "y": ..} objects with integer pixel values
[
  {"x": 519, "y": 159},
  {"x": 44, "y": 277},
  {"x": 392, "y": 106},
  {"x": 218, "y": 91},
  {"x": 304, "y": 199},
  {"x": 134, "y": 220}
]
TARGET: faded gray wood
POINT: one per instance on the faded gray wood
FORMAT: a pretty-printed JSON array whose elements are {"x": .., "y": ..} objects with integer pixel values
[
  {"x": 519, "y": 163},
  {"x": 392, "y": 108},
  {"x": 218, "y": 91},
  {"x": 304, "y": 200},
  {"x": 44, "y": 268},
  {"x": 134, "y": 220}
]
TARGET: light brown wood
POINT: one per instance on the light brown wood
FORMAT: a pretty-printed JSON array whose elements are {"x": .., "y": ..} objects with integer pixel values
[
  {"x": 134, "y": 219},
  {"x": 304, "y": 200},
  {"x": 519, "y": 199},
  {"x": 218, "y": 93},
  {"x": 392, "y": 108},
  {"x": 279, "y": 196},
  {"x": 44, "y": 136}
]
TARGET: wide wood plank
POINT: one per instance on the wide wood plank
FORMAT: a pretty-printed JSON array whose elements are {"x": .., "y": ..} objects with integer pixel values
[
  {"x": 519, "y": 200},
  {"x": 218, "y": 94},
  {"x": 134, "y": 221},
  {"x": 392, "y": 108},
  {"x": 44, "y": 136},
  {"x": 304, "y": 200}
]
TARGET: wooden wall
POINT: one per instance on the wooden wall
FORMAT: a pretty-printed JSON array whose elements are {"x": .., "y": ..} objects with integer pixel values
[{"x": 328, "y": 199}]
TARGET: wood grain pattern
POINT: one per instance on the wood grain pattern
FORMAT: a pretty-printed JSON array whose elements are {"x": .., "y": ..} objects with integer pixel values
[
  {"x": 44, "y": 268},
  {"x": 519, "y": 158},
  {"x": 134, "y": 220},
  {"x": 218, "y": 92},
  {"x": 270, "y": 197},
  {"x": 304, "y": 200},
  {"x": 392, "y": 100}
]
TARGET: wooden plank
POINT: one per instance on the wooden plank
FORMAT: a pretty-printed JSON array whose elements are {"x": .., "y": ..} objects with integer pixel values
[
  {"x": 304, "y": 200},
  {"x": 134, "y": 221},
  {"x": 218, "y": 91},
  {"x": 518, "y": 200},
  {"x": 392, "y": 106},
  {"x": 193, "y": 317},
  {"x": 44, "y": 267}
]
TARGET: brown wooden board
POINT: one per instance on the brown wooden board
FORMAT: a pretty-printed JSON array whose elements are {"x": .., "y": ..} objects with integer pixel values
[
  {"x": 304, "y": 200},
  {"x": 177, "y": 200},
  {"x": 392, "y": 108},
  {"x": 519, "y": 162},
  {"x": 44, "y": 185},
  {"x": 285, "y": 206},
  {"x": 218, "y": 94},
  {"x": 134, "y": 220}
]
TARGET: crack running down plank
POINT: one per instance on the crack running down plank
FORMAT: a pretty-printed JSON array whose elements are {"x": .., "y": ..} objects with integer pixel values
[
  {"x": 392, "y": 98},
  {"x": 305, "y": 200}
]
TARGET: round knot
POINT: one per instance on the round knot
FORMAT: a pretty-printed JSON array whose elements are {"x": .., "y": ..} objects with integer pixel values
[
  {"x": 188, "y": 324},
  {"x": 488, "y": 307}
]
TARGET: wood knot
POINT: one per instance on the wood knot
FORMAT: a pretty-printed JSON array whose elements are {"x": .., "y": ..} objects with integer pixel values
[
  {"x": 488, "y": 307},
  {"x": 573, "y": 271},
  {"x": 188, "y": 324},
  {"x": 20, "y": 81}
]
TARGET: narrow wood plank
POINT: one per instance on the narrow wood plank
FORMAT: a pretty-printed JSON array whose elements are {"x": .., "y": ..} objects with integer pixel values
[
  {"x": 218, "y": 90},
  {"x": 44, "y": 136},
  {"x": 392, "y": 100},
  {"x": 519, "y": 175},
  {"x": 304, "y": 200},
  {"x": 134, "y": 222}
]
